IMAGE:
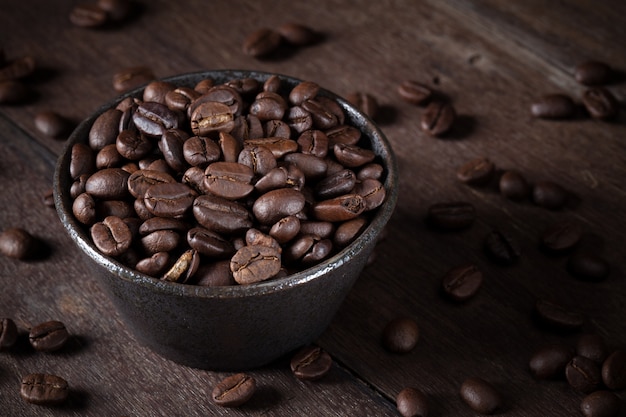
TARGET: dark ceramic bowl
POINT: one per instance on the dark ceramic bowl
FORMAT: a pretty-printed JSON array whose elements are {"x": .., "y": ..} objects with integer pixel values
[{"x": 230, "y": 327}]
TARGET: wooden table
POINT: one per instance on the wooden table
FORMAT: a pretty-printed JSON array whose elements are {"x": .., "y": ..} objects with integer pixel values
[{"x": 492, "y": 58}]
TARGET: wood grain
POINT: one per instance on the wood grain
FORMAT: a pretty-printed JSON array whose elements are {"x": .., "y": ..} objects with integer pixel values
[{"x": 491, "y": 58}]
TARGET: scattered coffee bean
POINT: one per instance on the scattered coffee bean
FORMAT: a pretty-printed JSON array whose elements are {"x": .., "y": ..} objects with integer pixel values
[
  {"x": 476, "y": 171},
  {"x": 44, "y": 389},
  {"x": 311, "y": 363},
  {"x": 557, "y": 316},
  {"x": 600, "y": 103},
  {"x": 438, "y": 118},
  {"x": 501, "y": 248},
  {"x": 600, "y": 404},
  {"x": 17, "y": 243},
  {"x": 588, "y": 266},
  {"x": 414, "y": 92},
  {"x": 614, "y": 370},
  {"x": 554, "y": 106},
  {"x": 132, "y": 77},
  {"x": 411, "y": 402},
  {"x": 8, "y": 333},
  {"x": 400, "y": 335},
  {"x": 549, "y": 195},
  {"x": 51, "y": 124},
  {"x": 48, "y": 336},
  {"x": 261, "y": 42},
  {"x": 480, "y": 395},
  {"x": 549, "y": 361},
  {"x": 365, "y": 102},
  {"x": 298, "y": 34},
  {"x": 462, "y": 283},
  {"x": 255, "y": 263},
  {"x": 451, "y": 216},
  {"x": 583, "y": 374},
  {"x": 561, "y": 237},
  {"x": 234, "y": 390},
  {"x": 88, "y": 15},
  {"x": 513, "y": 185},
  {"x": 48, "y": 198},
  {"x": 592, "y": 346},
  {"x": 593, "y": 73}
]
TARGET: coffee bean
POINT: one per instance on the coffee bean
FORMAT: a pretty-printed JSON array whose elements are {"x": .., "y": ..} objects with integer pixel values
[
  {"x": 117, "y": 10},
  {"x": 105, "y": 129},
  {"x": 139, "y": 181},
  {"x": 155, "y": 91},
  {"x": 561, "y": 237},
  {"x": 583, "y": 374},
  {"x": 154, "y": 119},
  {"x": 553, "y": 106},
  {"x": 501, "y": 248},
  {"x": 44, "y": 389},
  {"x": 108, "y": 184},
  {"x": 400, "y": 335},
  {"x": 84, "y": 209},
  {"x": 352, "y": 156},
  {"x": 286, "y": 176},
  {"x": 342, "y": 134},
  {"x": 438, "y": 118},
  {"x": 600, "y": 103},
  {"x": 451, "y": 216},
  {"x": 557, "y": 316},
  {"x": 513, "y": 185},
  {"x": 480, "y": 395},
  {"x": 476, "y": 171},
  {"x": 48, "y": 336},
  {"x": 184, "y": 268},
  {"x": 17, "y": 243},
  {"x": 461, "y": 283},
  {"x": 342, "y": 208},
  {"x": 323, "y": 117},
  {"x": 414, "y": 92},
  {"x": 365, "y": 102},
  {"x": 14, "y": 92},
  {"x": 600, "y": 404},
  {"x": 214, "y": 274},
  {"x": 111, "y": 236},
  {"x": 209, "y": 243},
  {"x": 169, "y": 199},
  {"x": 8, "y": 333},
  {"x": 234, "y": 390},
  {"x": 210, "y": 117},
  {"x": 132, "y": 77},
  {"x": 303, "y": 91},
  {"x": 549, "y": 361},
  {"x": 133, "y": 145},
  {"x": 51, "y": 123},
  {"x": 592, "y": 346},
  {"x": 593, "y": 73},
  {"x": 261, "y": 42},
  {"x": 256, "y": 263},
  {"x": 588, "y": 266},
  {"x": 549, "y": 195},
  {"x": 411, "y": 402},
  {"x": 285, "y": 229},
  {"x": 88, "y": 15},
  {"x": 348, "y": 231},
  {"x": 297, "y": 34},
  {"x": 154, "y": 265},
  {"x": 614, "y": 370},
  {"x": 17, "y": 68},
  {"x": 311, "y": 363},
  {"x": 221, "y": 215}
]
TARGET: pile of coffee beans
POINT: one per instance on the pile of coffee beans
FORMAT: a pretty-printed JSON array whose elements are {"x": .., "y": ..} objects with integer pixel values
[
  {"x": 264, "y": 42},
  {"x": 439, "y": 115},
  {"x": 185, "y": 179}
]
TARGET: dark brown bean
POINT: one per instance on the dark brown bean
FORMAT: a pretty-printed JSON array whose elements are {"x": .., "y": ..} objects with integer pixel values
[
  {"x": 44, "y": 389},
  {"x": 48, "y": 336},
  {"x": 105, "y": 129},
  {"x": 549, "y": 195},
  {"x": 480, "y": 395},
  {"x": 84, "y": 209},
  {"x": 261, "y": 42},
  {"x": 411, "y": 402},
  {"x": 593, "y": 73},
  {"x": 414, "y": 92},
  {"x": 276, "y": 204},
  {"x": 556, "y": 316},
  {"x": 8, "y": 333},
  {"x": 513, "y": 185},
  {"x": 451, "y": 216},
  {"x": 476, "y": 171},
  {"x": 600, "y": 404},
  {"x": 234, "y": 390},
  {"x": 257, "y": 263},
  {"x": 111, "y": 236},
  {"x": 553, "y": 106},
  {"x": 549, "y": 361},
  {"x": 139, "y": 181},
  {"x": 561, "y": 236},
  {"x": 342, "y": 208},
  {"x": 438, "y": 118},
  {"x": 221, "y": 215},
  {"x": 133, "y": 145},
  {"x": 305, "y": 90},
  {"x": 311, "y": 363},
  {"x": 17, "y": 68},
  {"x": 132, "y": 77},
  {"x": 502, "y": 248},
  {"x": 588, "y": 266},
  {"x": 400, "y": 335},
  {"x": 230, "y": 180},
  {"x": 600, "y": 103},
  {"x": 209, "y": 243},
  {"x": 297, "y": 33},
  {"x": 154, "y": 119},
  {"x": 462, "y": 282},
  {"x": 51, "y": 123},
  {"x": 592, "y": 346},
  {"x": 154, "y": 265},
  {"x": 614, "y": 370},
  {"x": 583, "y": 374},
  {"x": 17, "y": 243}
]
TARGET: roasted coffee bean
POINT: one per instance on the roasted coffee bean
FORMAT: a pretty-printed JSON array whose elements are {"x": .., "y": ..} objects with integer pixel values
[
  {"x": 557, "y": 316},
  {"x": 169, "y": 199},
  {"x": 600, "y": 103},
  {"x": 17, "y": 68},
  {"x": 451, "y": 216},
  {"x": 600, "y": 404},
  {"x": 311, "y": 363},
  {"x": 261, "y": 42},
  {"x": 480, "y": 395},
  {"x": 162, "y": 223},
  {"x": 374, "y": 171},
  {"x": 311, "y": 166},
  {"x": 365, "y": 102},
  {"x": 184, "y": 267},
  {"x": 132, "y": 77},
  {"x": 78, "y": 186},
  {"x": 276, "y": 204},
  {"x": 553, "y": 106},
  {"x": 305, "y": 90},
  {"x": 348, "y": 231},
  {"x": 108, "y": 184},
  {"x": 154, "y": 265},
  {"x": 268, "y": 106},
  {"x": 156, "y": 91},
  {"x": 17, "y": 243},
  {"x": 48, "y": 198},
  {"x": 549, "y": 195},
  {"x": 303, "y": 245},
  {"x": 14, "y": 92},
  {"x": 333, "y": 107},
  {"x": 234, "y": 390},
  {"x": 44, "y": 389},
  {"x": 335, "y": 185},
  {"x": 462, "y": 282},
  {"x": 501, "y": 248},
  {"x": 111, "y": 236},
  {"x": 230, "y": 180},
  {"x": 139, "y": 181},
  {"x": 154, "y": 119},
  {"x": 583, "y": 374},
  {"x": 88, "y": 15},
  {"x": 278, "y": 146},
  {"x": 285, "y": 229},
  {"x": 549, "y": 361},
  {"x": 476, "y": 171},
  {"x": 588, "y": 266},
  {"x": 51, "y": 123},
  {"x": 313, "y": 142},
  {"x": 117, "y": 10},
  {"x": 244, "y": 86},
  {"x": 400, "y": 335},
  {"x": 299, "y": 119},
  {"x": 252, "y": 264},
  {"x": 593, "y": 73},
  {"x": 411, "y": 402},
  {"x": 171, "y": 146},
  {"x": 561, "y": 237},
  {"x": 323, "y": 117},
  {"x": 211, "y": 117},
  {"x": 414, "y": 92},
  {"x": 221, "y": 94},
  {"x": 160, "y": 241},
  {"x": 133, "y": 145},
  {"x": 438, "y": 118},
  {"x": 180, "y": 98},
  {"x": 614, "y": 370},
  {"x": 48, "y": 336},
  {"x": 513, "y": 185},
  {"x": 209, "y": 243},
  {"x": 229, "y": 146},
  {"x": 285, "y": 176},
  {"x": 297, "y": 34},
  {"x": 256, "y": 237},
  {"x": 105, "y": 129},
  {"x": 338, "y": 209},
  {"x": 8, "y": 333},
  {"x": 108, "y": 157},
  {"x": 221, "y": 215},
  {"x": 372, "y": 191},
  {"x": 352, "y": 156},
  {"x": 277, "y": 129},
  {"x": 342, "y": 134},
  {"x": 84, "y": 209},
  {"x": 214, "y": 274},
  {"x": 319, "y": 250},
  {"x": 259, "y": 158},
  {"x": 592, "y": 346}
]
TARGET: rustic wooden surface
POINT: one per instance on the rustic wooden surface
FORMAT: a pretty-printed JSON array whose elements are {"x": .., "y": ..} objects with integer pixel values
[{"x": 490, "y": 57}]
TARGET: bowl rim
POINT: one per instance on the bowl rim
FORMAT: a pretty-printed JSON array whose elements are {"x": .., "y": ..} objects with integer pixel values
[{"x": 79, "y": 236}]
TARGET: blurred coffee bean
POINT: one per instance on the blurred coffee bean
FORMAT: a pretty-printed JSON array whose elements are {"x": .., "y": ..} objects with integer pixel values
[
  {"x": 311, "y": 363},
  {"x": 17, "y": 243},
  {"x": 411, "y": 402},
  {"x": 480, "y": 395},
  {"x": 400, "y": 335},
  {"x": 553, "y": 106},
  {"x": 593, "y": 73}
]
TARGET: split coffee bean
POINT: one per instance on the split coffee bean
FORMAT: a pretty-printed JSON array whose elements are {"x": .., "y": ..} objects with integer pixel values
[
  {"x": 480, "y": 395},
  {"x": 557, "y": 317},
  {"x": 600, "y": 103},
  {"x": 311, "y": 363},
  {"x": 88, "y": 15},
  {"x": 614, "y": 370},
  {"x": 476, "y": 171},
  {"x": 593, "y": 73},
  {"x": 48, "y": 336},
  {"x": 400, "y": 335},
  {"x": 438, "y": 118},
  {"x": 44, "y": 389},
  {"x": 234, "y": 390},
  {"x": 130, "y": 78},
  {"x": 583, "y": 374},
  {"x": 365, "y": 102},
  {"x": 549, "y": 195},
  {"x": 17, "y": 243},
  {"x": 549, "y": 361},
  {"x": 411, "y": 402},
  {"x": 592, "y": 346},
  {"x": 8, "y": 333},
  {"x": 451, "y": 216},
  {"x": 553, "y": 106},
  {"x": 414, "y": 92},
  {"x": 462, "y": 283},
  {"x": 600, "y": 404},
  {"x": 261, "y": 42},
  {"x": 588, "y": 266},
  {"x": 561, "y": 237},
  {"x": 501, "y": 248},
  {"x": 298, "y": 34}
]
